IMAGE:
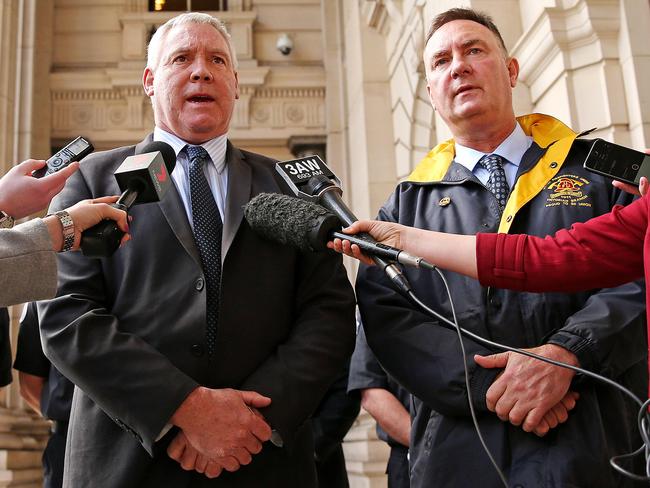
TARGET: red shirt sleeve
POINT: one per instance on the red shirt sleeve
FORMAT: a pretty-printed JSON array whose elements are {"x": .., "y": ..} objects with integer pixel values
[{"x": 603, "y": 252}]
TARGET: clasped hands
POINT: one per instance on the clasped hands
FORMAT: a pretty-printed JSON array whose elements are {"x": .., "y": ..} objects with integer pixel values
[
  {"x": 219, "y": 429},
  {"x": 531, "y": 393}
]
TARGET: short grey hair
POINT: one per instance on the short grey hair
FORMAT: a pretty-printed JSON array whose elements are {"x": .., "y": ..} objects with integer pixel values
[{"x": 153, "y": 50}]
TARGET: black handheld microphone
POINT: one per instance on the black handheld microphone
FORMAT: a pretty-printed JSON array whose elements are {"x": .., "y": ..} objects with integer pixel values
[
  {"x": 310, "y": 179},
  {"x": 308, "y": 226},
  {"x": 143, "y": 178}
]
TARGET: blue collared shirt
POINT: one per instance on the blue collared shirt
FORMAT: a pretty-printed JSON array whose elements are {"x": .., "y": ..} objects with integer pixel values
[
  {"x": 512, "y": 149},
  {"x": 216, "y": 173}
]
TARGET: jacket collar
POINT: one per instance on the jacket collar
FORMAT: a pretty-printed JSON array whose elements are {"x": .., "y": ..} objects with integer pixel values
[
  {"x": 544, "y": 159},
  {"x": 239, "y": 191},
  {"x": 544, "y": 129}
]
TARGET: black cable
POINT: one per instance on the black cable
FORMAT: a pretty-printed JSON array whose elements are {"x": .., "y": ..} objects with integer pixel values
[
  {"x": 642, "y": 419},
  {"x": 467, "y": 386}
]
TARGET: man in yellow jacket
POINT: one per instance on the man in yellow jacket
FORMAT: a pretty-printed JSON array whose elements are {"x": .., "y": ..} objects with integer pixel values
[{"x": 544, "y": 426}]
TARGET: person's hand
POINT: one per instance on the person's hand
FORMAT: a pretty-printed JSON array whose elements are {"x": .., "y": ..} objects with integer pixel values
[
  {"x": 558, "y": 414},
  {"x": 642, "y": 189},
  {"x": 190, "y": 459},
  {"x": 86, "y": 214},
  {"x": 21, "y": 194},
  {"x": 222, "y": 423},
  {"x": 388, "y": 233},
  {"x": 528, "y": 388},
  {"x": 632, "y": 189}
]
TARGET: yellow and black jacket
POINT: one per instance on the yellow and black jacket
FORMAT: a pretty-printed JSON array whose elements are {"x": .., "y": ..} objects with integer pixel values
[{"x": 604, "y": 328}]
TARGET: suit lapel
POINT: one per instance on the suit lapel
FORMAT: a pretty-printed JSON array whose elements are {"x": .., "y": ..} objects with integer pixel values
[
  {"x": 173, "y": 209},
  {"x": 239, "y": 193}
]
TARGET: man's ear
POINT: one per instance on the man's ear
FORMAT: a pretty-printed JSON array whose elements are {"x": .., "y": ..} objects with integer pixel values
[
  {"x": 430, "y": 97},
  {"x": 236, "y": 86},
  {"x": 513, "y": 71},
  {"x": 147, "y": 81}
]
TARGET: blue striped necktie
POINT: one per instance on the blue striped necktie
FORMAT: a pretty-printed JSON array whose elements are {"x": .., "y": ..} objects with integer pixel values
[{"x": 207, "y": 235}]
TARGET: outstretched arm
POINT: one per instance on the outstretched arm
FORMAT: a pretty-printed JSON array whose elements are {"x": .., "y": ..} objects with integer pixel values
[{"x": 449, "y": 251}]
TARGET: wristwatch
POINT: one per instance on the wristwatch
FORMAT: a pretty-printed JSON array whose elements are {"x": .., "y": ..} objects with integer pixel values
[
  {"x": 68, "y": 230},
  {"x": 6, "y": 221}
]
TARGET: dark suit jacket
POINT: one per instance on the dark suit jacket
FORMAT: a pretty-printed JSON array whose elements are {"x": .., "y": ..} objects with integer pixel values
[{"x": 129, "y": 331}]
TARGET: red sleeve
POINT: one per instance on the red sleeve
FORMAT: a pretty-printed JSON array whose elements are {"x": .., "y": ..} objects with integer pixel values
[{"x": 605, "y": 251}]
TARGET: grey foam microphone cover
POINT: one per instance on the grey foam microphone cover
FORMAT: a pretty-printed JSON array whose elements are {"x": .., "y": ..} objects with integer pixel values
[{"x": 291, "y": 221}]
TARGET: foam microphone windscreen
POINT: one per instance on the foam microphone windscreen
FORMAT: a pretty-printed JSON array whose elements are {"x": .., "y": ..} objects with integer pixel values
[{"x": 291, "y": 221}]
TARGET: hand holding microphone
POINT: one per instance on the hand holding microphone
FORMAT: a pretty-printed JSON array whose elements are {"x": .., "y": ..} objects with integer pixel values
[
  {"x": 385, "y": 233},
  {"x": 143, "y": 178},
  {"x": 85, "y": 214},
  {"x": 310, "y": 179},
  {"x": 308, "y": 227}
]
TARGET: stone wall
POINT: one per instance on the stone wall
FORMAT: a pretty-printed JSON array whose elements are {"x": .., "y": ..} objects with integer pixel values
[{"x": 354, "y": 80}]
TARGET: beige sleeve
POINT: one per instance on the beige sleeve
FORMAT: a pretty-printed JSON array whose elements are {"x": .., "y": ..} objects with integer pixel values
[{"x": 27, "y": 264}]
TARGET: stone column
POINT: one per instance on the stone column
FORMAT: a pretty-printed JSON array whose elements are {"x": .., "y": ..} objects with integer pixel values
[
  {"x": 371, "y": 157},
  {"x": 25, "y": 26},
  {"x": 365, "y": 455},
  {"x": 8, "y": 41}
]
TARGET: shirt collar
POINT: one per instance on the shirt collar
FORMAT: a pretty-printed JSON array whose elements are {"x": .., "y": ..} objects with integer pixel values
[
  {"x": 512, "y": 149},
  {"x": 216, "y": 147}
]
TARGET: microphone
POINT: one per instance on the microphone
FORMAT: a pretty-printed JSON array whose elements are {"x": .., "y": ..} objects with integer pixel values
[
  {"x": 310, "y": 179},
  {"x": 143, "y": 178},
  {"x": 290, "y": 221},
  {"x": 308, "y": 226}
]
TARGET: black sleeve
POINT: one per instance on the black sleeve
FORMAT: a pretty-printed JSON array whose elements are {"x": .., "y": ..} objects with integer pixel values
[
  {"x": 365, "y": 370},
  {"x": 5, "y": 348},
  {"x": 334, "y": 416},
  {"x": 608, "y": 333},
  {"x": 29, "y": 352}
]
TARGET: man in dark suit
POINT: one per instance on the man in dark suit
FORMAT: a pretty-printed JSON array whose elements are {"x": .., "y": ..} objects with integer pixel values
[{"x": 200, "y": 351}]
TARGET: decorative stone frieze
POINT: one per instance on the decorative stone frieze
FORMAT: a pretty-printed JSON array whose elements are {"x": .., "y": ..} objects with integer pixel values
[{"x": 123, "y": 114}]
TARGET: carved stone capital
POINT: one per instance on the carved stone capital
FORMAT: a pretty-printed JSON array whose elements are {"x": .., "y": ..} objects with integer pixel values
[{"x": 564, "y": 39}]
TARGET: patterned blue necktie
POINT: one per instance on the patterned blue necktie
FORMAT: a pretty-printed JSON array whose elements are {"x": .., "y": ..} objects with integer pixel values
[
  {"x": 497, "y": 182},
  {"x": 207, "y": 234}
]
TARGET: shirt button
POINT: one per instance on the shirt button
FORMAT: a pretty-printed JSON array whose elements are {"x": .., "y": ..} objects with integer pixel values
[
  {"x": 196, "y": 350},
  {"x": 509, "y": 219},
  {"x": 199, "y": 284}
]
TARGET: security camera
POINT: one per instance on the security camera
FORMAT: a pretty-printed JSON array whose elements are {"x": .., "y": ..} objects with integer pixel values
[{"x": 284, "y": 44}]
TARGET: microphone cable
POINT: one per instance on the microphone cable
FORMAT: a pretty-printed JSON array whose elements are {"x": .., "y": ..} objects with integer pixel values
[{"x": 643, "y": 417}]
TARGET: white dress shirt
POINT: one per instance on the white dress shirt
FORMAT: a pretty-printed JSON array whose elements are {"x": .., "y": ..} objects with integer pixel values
[
  {"x": 512, "y": 149},
  {"x": 216, "y": 173}
]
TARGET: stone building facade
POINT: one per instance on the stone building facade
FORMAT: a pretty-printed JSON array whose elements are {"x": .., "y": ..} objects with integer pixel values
[{"x": 352, "y": 87}]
